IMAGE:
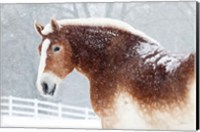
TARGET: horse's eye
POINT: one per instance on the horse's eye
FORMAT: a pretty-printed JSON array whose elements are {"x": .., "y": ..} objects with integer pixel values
[{"x": 56, "y": 48}]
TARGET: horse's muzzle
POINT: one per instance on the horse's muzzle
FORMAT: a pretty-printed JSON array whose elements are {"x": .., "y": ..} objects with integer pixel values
[
  {"x": 47, "y": 84},
  {"x": 48, "y": 90}
]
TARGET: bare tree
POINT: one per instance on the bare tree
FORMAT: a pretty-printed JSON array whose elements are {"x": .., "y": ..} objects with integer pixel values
[
  {"x": 109, "y": 9},
  {"x": 123, "y": 11},
  {"x": 76, "y": 15},
  {"x": 85, "y": 7}
]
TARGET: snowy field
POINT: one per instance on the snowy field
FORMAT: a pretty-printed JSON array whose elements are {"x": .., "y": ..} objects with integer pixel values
[{"x": 14, "y": 121}]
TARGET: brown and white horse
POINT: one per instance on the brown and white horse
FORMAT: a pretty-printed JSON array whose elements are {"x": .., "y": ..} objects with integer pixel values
[{"x": 134, "y": 82}]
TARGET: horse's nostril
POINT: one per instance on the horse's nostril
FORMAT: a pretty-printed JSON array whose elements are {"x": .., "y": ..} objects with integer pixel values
[
  {"x": 53, "y": 90},
  {"x": 45, "y": 87}
]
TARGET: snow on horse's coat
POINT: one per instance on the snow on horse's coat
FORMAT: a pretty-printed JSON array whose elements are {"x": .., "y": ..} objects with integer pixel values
[{"x": 134, "y": 82}]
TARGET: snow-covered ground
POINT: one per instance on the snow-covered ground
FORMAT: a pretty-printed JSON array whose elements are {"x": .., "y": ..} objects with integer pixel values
[{"x": 15, "y": 121}]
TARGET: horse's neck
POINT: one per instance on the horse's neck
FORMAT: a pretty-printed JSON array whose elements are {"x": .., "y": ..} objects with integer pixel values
[
  {"x": 95, "y": 47},
  {"x": 92, "y": 44}
]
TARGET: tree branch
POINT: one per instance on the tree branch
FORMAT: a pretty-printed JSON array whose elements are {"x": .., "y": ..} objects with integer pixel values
[{"x": 85, "y": 7}]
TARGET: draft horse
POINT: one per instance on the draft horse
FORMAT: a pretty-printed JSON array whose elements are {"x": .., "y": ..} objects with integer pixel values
[{"x": 134, "y": 82}]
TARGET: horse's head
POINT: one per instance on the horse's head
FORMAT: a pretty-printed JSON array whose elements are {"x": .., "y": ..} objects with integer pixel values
[{"x": 55, "y": 59}]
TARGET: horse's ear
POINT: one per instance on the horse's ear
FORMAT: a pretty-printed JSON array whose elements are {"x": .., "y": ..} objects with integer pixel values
[
  {"x": 54, "y": 24},
  {"x": 38, "y": 28}
]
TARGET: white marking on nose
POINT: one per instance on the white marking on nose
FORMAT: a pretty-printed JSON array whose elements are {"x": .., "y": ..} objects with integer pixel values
[{"x": 45, "y": 46}]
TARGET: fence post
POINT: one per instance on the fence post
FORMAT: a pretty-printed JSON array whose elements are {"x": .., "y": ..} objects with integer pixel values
[
  {"x": 86, "y": 113},
  {"x": 59, "y": 110},
  {"x": 10, "y": 105},
  {"x": 35, "y": 108}
]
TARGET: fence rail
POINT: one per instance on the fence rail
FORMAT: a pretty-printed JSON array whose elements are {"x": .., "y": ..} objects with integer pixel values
[{"x": 15, "y": 106}]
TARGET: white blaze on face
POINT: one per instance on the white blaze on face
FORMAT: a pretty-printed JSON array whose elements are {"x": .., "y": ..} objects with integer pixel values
[
  {"x": 49, "y": 78},
  {"x": 45, "y": 46}
]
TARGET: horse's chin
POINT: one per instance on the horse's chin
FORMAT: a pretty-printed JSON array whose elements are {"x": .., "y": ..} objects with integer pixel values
[{"x": 48, "y": 95}]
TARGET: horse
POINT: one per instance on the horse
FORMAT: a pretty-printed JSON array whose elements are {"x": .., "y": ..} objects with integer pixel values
[{"x": 135, "y": 83}]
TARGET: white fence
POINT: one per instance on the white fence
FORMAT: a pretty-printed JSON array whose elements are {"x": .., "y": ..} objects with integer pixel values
[{"x": 15, "y": 106}]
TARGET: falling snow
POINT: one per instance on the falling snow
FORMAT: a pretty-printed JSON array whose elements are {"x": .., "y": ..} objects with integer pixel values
[{"x": 170, "y": 25}]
